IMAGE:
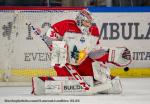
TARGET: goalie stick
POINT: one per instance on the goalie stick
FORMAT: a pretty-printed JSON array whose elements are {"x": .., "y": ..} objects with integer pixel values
[
  {"x": 77, "y": 76},
  {"x": 88, "y": 90}
]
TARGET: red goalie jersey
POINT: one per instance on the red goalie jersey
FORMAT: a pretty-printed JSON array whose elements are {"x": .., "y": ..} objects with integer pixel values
[{"x": 69, "y": 30}]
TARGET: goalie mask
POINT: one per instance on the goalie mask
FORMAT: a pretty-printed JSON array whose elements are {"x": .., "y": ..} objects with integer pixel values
[{"x": 84, "y": 21}]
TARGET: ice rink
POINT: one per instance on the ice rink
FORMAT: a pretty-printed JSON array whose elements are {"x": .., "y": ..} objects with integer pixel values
[{"x": 135, "y": 91}]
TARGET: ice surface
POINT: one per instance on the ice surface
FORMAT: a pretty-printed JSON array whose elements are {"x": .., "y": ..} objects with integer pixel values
[{"x": 135, "y": 91}]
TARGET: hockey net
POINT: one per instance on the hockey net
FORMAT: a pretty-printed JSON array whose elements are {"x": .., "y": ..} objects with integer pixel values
[{"x": 23, "y": 55}]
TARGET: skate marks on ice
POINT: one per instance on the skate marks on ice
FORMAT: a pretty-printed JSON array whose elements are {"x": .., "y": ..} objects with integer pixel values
[{"x": 135, "y": 91}]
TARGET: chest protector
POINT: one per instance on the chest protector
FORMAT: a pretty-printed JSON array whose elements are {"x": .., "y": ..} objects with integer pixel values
[{"x": 79, "y": 46}]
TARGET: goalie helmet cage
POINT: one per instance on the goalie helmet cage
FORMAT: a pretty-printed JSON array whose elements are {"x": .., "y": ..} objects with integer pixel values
[{"x": 23, "y": 55}]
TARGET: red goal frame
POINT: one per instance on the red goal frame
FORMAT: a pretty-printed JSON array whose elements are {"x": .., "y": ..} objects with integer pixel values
[{"x": 39, "y": 8}]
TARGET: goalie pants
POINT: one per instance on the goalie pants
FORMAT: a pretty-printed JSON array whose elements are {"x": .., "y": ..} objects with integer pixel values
[{"x": 84, "y": 69}]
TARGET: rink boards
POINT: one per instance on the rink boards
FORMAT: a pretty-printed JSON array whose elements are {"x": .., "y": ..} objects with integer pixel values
[{"x": 130, "y": 27}]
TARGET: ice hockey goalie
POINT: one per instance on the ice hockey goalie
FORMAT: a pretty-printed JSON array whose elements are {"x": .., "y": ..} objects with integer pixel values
[{"x": 79, "y": 59}]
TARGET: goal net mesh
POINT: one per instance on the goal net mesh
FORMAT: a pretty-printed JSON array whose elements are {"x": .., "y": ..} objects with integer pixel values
[{"x": 23, "y": 54}]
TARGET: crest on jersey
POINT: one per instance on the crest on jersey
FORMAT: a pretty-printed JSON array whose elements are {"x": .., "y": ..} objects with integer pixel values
[{"x": 78, "y": 55}]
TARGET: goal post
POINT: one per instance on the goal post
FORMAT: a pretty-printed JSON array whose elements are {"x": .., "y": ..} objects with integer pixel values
[{"x": 23, "y": 55}]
